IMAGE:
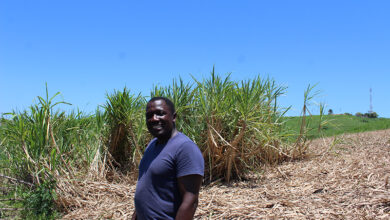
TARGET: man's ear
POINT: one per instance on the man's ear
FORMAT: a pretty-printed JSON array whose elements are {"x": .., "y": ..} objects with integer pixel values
[{"x": 174, "y": 117}]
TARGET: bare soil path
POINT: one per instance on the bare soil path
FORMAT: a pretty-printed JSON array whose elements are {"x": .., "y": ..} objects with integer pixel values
[{"x": 347, "y": 177}]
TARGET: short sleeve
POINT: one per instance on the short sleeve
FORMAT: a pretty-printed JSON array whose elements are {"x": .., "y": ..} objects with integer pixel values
[{"x": 189, "y": 160}]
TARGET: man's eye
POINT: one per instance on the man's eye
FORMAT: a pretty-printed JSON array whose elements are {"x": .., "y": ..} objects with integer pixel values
[
  {"x": 160, "y": 113},
  {"x": 150, "y": 115}
]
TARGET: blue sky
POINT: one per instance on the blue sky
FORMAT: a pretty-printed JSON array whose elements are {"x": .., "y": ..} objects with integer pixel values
[{"x": 85, "y": 49}]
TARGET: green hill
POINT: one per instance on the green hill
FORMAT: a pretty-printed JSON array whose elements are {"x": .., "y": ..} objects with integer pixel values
[{"x": 330, "y": 125}]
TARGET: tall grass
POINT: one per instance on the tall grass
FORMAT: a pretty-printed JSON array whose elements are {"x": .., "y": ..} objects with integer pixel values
[
  {"x": 40, "y": 145},
  {"x": 300, "y": 143},
  {"x": 241, "y": 125},
  {"x": 238, "y": 126},
  {"x": 127, "y": 127},
  {"x": 30, "y": 141}
]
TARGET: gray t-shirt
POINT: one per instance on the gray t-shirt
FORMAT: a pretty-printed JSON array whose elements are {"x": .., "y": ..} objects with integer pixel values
[{"x": 157, "y": 195}]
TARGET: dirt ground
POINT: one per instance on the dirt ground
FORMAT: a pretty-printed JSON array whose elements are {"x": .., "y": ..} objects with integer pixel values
[{"x": 347, "y": 177}]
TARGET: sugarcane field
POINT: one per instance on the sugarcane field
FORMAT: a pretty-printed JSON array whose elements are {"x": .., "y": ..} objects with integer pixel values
[{"x": 258, "y": 162}]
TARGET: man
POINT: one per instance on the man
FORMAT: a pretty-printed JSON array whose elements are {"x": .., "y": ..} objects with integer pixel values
[{"x": 171, "y": 170}]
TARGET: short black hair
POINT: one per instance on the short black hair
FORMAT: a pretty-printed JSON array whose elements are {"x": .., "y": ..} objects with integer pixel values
[{"x": 166, "y": 100}]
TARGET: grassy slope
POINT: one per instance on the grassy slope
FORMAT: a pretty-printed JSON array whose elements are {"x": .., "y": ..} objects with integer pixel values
[{"x": 337, "y": 124}]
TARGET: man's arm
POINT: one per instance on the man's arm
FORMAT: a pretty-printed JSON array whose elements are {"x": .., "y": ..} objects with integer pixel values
[{"x": 189, "y": 190}]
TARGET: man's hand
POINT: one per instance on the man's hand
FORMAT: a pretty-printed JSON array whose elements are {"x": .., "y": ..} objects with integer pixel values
[{"x": 189, "y": 190}]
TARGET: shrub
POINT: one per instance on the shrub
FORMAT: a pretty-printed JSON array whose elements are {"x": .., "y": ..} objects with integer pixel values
[
  {"x": 374, "y": 115},
  {"x": 359, "y": 114},
  {"x": 371, "y": 115},
  {"x": 39, "y": 203}
]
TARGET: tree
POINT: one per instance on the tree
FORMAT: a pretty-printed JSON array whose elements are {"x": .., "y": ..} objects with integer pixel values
[{"x": 359, "y": 114}]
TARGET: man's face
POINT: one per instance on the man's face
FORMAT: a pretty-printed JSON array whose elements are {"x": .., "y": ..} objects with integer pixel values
[{"x": 159, "y": 119}]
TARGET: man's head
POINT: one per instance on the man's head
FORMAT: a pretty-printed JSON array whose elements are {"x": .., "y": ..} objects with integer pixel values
[{"x": 160, "y": 117}]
